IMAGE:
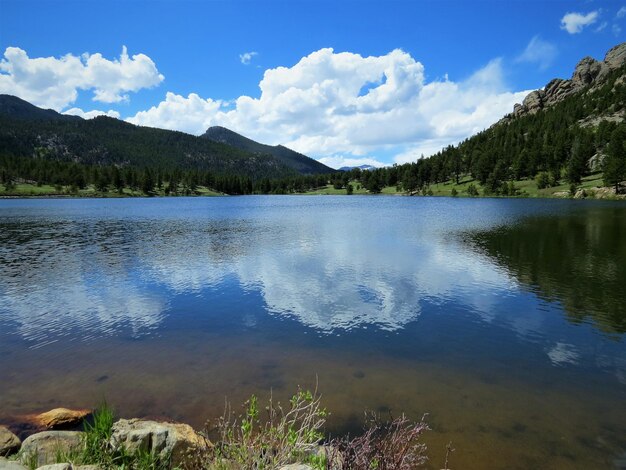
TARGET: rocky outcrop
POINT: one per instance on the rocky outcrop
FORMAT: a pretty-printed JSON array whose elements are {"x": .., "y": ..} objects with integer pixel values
[
  {"x": 44, "y": 447},
  {"x": 589, "y": 73},
  {"x": 9, "y": 442},
  {"x": 176, "y": 441},
  {"x": 616, "y": 56},
  {"x": 586, "y": 72}
]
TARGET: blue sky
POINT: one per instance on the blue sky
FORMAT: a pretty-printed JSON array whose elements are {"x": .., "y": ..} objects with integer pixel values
[{"x": 342, "y": 81}]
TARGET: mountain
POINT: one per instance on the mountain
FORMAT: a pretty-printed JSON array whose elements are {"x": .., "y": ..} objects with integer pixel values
[
  {"x": 27, "y": 131},
  {"x": 19, "y": 109},
  {"x": 301, "y": 163},
  {"x": 360, "y": 167}
]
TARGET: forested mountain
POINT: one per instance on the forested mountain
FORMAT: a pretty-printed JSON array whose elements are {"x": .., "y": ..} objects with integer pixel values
[
  {"x": 301, "y": 163},
  {"x": 28, "y": 132}
]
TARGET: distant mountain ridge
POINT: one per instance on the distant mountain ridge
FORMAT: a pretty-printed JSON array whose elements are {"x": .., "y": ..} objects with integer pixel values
[
  {"x": 360, "y": 167},
  {"x": 299, "y": 162}
]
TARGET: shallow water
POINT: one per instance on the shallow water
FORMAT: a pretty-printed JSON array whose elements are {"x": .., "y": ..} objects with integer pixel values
[{"x": 503, "y": 320}]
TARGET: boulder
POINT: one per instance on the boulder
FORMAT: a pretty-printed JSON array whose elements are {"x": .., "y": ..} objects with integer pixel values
[
  {"x": 533, "y": 102},
  {"x": 616, "y": 56},
  {"x": 45, "y": 446},
  {"x": 6, "y": 464},
  {"x": 556, "y": 90},
  {"x": 62, "y": 417},
  {"x": 174, "y": 440},
  {"x": 586, "y": 72},
  {"x": 9, "y": 442},
  {"x": 296, "y": 466}
]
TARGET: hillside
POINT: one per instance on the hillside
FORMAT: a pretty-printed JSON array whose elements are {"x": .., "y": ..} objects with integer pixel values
[
  {"x": 301, "y": 163},
  {"x": 562, "y": 136},
  {"x": 29, "y": 132}
]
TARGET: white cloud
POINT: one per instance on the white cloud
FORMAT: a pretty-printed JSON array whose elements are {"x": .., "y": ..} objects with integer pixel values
[
  {"x": 246, "y": 57},
  {"x": 52, "y": 82},
  {"x": 91, "y": 114},
  {"x": 191, "y": 114},
  {"x": 602, "y": 27},
  {"x": 343, "y": 105},
  {"x": 616, "y": 29},
  {"x": 539, "y": 52},
  {"x": 574, "y": 23},
  {"x": 621, "y": 13}
]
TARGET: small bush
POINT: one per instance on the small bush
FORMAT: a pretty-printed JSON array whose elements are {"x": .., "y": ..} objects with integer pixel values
[
  {"x": 472, "y": 191},
  {"x": 391, "y": 445},
  {"x": 279, "y": 437}
]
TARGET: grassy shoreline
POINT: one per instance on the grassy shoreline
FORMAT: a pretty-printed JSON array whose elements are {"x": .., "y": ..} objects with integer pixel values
[{"x": 523, "y": 189}]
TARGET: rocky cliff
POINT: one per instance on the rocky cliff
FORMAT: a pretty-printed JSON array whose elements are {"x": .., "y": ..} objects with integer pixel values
[{"x": 588, "y": 74}]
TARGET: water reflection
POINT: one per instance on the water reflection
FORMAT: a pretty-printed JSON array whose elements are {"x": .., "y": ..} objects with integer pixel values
[
  {"x": 575, "y": 260},
  {"x": 335, "y": 270},
  {"x": 332, "y": 274},
  {"x": 71, "y": 281}
]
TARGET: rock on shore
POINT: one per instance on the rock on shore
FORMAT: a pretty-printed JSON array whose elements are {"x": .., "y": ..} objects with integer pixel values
[
  {"x": 45, "y": 446},
  {"x": 9, "y": 442},
  {"x": 174, "y": 440}
]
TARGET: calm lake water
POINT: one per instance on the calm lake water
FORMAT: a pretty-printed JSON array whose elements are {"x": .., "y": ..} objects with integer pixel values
[{"x": 504, "y": 320}]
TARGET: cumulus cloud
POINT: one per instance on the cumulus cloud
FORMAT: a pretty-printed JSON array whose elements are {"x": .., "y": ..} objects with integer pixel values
[
  {"x": 341, "y": 106},
  {"x": 539, "y": 52},
  {"x": 574, "y": 23},
  {"x": 52, "y": 82},
  {"x": 190, "y": 114},
  {"x": 91, "y": 114},
  {"x": 246, "y": 57}
]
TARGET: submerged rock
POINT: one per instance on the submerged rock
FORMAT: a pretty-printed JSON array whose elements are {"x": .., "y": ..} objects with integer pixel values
[
  {"x": 45, "y": 446},
  {"x": 62, "y": 417},
  {"x": 176, "y": 441},
  {"x": 9, "y": 442}
]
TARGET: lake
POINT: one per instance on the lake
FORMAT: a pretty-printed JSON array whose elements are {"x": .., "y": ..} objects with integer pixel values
[{"x": 503, "y": 319}]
